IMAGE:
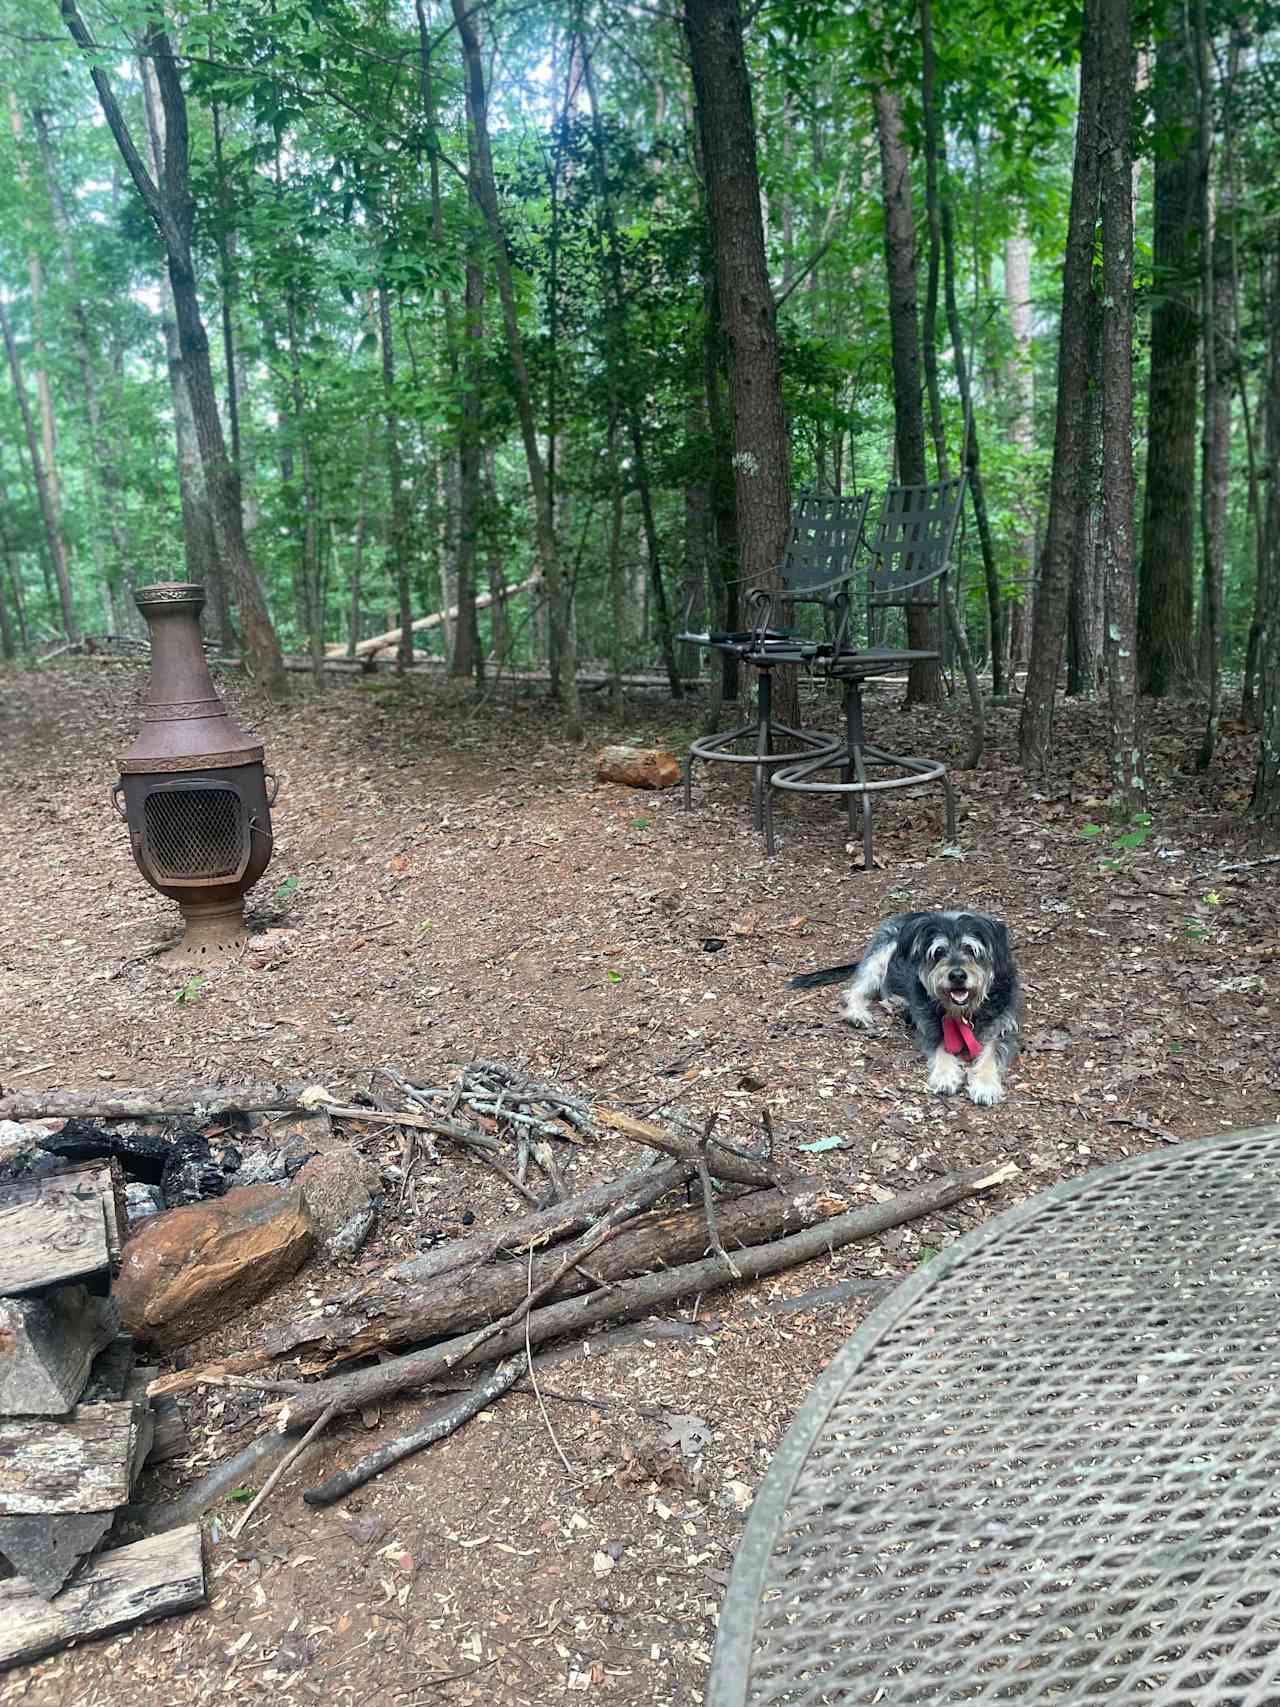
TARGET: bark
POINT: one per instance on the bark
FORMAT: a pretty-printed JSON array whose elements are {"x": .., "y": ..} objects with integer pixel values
[
  {"x": 761, "y": 454},
  {"x": 620, "y": 360},
  {"x": 725, "y": 586},
  {"x": 1035, "y": 732},
  {"x": 357, "y": 550},
  {"x": 559, "y": 591},
  {"x": 467, "y": 654},
  {"x": 617, "y": 582},
  {"x": 1022, "y": 435},
  {"x": 1266, "y": 782},
  {"x": 312, "y": 584},
  {"x": 1216, "y": 315},
  {"x": 105, "y": 472},
  {"x": 40, "y": 366},
  {"x": 924, "y": 682},
  {"x": 171, "y": 206},
  {"x": 932, "y": 150},
  {"x": 1165, "y": 651},
  {"x": 8, "y": 645},
  {"x": 398, "y": 540},
  {"x": 1084, "y": 615},
  {"x": 44, "y": 489},
  {"x": 1115, "y": 117}
]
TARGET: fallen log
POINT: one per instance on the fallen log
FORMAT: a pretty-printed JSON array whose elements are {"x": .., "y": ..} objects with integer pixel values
[
  {"x": 380, "y": 642},
  {"x": 160, "y": 1575},
  {"x": 389, "y": 1312},
  {"x": 630, "y": 1298},
  {"x": 150, "y": 1105}
]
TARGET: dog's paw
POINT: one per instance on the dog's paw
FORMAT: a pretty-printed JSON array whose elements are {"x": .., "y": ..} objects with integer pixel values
[
  {"x": 985, "y": 1089},
  {"x": 855, "y": 1011},
  {"x": 946, "y": 1075}
]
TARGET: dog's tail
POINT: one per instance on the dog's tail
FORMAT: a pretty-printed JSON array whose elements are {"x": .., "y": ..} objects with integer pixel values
[{"x": 828, "y": 975}]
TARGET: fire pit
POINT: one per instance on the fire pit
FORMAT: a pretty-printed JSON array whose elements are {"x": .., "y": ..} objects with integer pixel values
[{"x": 195, "y": 791}]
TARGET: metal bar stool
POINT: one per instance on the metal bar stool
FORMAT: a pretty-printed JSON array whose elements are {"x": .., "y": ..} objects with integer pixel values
[
  {"x": 909, "y": 560},
  {"x": 825, "y": 535}
]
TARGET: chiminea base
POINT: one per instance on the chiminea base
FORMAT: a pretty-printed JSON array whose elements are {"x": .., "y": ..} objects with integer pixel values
[{"x": 215, "y": 934}]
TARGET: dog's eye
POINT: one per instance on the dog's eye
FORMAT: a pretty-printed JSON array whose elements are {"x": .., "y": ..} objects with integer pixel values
[{"x": 937, "y": 948}]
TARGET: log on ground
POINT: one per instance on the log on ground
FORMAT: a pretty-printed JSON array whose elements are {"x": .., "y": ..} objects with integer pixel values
[
  {"x": 150, "y": 1105},
  {"x": 63, "y": 1228},
  {"x": 160, "y": 1575},
  {"x": 630, "y": 1298},
  {"x": 79, "y": 1463},
  {"x": 47, "y": 1347}
]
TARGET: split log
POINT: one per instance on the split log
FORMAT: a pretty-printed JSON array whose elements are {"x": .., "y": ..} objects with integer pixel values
[
  {"x": 200, "y": 1100},
  {"x": 47, "y": 1346},
  {"x": 723, "y": 1161},
  {"x": 380, "y": 642},
  {"x": 78, "y": 1463},
  {"x": 150, "y": 1579},
  {"x": 638, "y": 767},
  {"x": 387, "y": 1312},
  {"x": 111, "y": 1372},
  {"x": 630, "y": 1298},
  {"x": 63, "y": 1228}
]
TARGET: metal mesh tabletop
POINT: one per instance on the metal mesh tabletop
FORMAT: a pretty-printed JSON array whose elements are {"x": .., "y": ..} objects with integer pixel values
[{"x": 1046, "y": 1468}]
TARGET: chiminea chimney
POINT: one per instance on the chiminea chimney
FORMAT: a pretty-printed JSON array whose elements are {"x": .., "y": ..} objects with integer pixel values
[{"x": 194, "y": 786}]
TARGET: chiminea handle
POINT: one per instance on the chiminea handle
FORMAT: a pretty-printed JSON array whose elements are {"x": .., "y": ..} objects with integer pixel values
[
  {"x": 117, "y": 789},
  {"x": 274, "y": 783}
]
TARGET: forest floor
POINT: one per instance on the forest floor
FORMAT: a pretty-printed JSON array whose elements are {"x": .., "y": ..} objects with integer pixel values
[{"x": 450, "y": 883}]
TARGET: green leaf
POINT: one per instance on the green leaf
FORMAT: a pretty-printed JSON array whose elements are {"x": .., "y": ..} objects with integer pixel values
[
  {"x": 286, "y": 889},
  {"x": 1091, "y": 830},
  {"x": 927, "y": 1254},
  {"x": 613, "y": 975}
]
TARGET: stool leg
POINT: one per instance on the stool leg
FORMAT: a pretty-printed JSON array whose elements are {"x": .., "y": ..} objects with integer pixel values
[
  {"x": 688, "y": 779},
  {"x": 764, "y": 746},
  {"x": 951, "y": 807},
  {"x": 857, "y": 740}
]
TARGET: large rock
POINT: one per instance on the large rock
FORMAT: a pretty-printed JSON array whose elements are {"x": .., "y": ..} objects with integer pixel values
[
  {"x": 186, "y": 1270},
  {"x": 638, "y": 767},
  {"x": 341, "y": 1189}
]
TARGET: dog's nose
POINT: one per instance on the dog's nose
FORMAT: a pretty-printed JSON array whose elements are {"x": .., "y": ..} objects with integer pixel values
[{"x": 957, "y": 979}]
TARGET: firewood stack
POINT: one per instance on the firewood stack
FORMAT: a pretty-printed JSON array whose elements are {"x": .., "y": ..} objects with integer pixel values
[{"x": 76, "y": 1425}]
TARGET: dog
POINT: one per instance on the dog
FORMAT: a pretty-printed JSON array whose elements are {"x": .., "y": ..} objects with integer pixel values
[{"x": 953, "y": 977}]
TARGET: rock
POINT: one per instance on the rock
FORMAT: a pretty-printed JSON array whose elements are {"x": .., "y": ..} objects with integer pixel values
[
  {"x": 187, "y": 1270},
  {"x": 638, "y": 767},
  {"x": 269, "y": 1165},
  {"x": 341, "y": 1190},
  {"x": 142, "y": 1200}
]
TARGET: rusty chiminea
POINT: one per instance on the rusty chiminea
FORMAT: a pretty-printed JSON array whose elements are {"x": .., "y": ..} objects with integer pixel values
[{"x": 194, "y": 786}]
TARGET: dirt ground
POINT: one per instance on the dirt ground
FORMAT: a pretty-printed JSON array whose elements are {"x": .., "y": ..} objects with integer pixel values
[{"x": 451, "y": 884}]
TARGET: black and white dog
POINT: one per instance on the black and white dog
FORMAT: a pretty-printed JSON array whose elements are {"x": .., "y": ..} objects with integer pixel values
[{"x": 953, "y": 977}]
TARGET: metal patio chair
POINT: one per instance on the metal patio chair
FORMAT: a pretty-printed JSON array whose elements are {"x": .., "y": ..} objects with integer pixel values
[
  {"x": 910, "y": 555},
  {"x": 822, "y": 550}
]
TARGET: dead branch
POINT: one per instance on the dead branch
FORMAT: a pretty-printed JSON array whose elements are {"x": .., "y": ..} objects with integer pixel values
[
  {"x": 636, "y": 1297},
  {"x": 150, "y": 1105},
  {"x": 317, "y": 1428},
  {"x": 441, "y": 1420},
  {"x": 725, "y": 1163}
]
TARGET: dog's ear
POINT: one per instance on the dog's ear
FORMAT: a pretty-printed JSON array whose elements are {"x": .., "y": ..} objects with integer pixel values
[
  {"x": 911, "y": 935},
  {"x": 1001, "y": 948}
]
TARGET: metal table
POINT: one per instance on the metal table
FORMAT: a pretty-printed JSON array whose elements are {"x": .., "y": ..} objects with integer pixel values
[{"x": 1046, "y": 1468}]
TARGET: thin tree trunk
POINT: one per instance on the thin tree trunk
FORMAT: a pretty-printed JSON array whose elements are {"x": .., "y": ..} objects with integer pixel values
[
  {"x": 1165, "y": 650},
  {"x": 312, "y": 588},
  {"x": 40, "y": 365},
  {"x": 617, "y": 581},
  {"x": 565, "y": 677},
  {"x": 1266, "y": 782},
  {"x": 171, "y": 205},
  {"x": 1022, "y": 433},
  {"x": 1035, "y": 732},
  {"x": 1084, "y": 617},
  {"x": 924, "y": 680},
  {"x": 1115, "y": 110},
  {"x": 748, "y": 315},
  {"x": 357, "y": 553},
  {"x": 621, "y": 362},
  {"x": 470, "y": 450},
  {"x": 932, "y": 150},
  {"x": 398, "y": 540},
  {"x": 44, "y": 491},
  {"x": 1216, "y": 307}
]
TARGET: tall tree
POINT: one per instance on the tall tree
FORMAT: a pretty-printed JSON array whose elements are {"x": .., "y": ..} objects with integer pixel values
[
  {"x": 1166, "y": 655},
  {"x": 747, "y": 312},
  {"x": 1115, "y": 123},
  {"x": 1216, "y": 306},
  {"x": 1020, "y": 385},
  {"x": 1266, "y": 781},
  {"x": 44, "y": 491},
  {"x": 170, "y": 203},
  {"x": 1035, "y": 729},
  {"x": 924, "y": 681}
]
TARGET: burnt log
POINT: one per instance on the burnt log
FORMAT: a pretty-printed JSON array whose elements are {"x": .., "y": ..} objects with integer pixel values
[
  {"x": 47, "y": 1347},
  {"x": 82, "y": 1462},
  {"x": 61, "y": 1228}
]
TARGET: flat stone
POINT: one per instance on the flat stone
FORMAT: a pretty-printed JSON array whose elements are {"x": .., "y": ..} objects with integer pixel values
[
  {"x": 341, "y": 1190},
  {"x": 187, "y": 1270}
]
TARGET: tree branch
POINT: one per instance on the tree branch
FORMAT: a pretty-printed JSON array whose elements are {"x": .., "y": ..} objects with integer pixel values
[{"x": 143, "y": 180}]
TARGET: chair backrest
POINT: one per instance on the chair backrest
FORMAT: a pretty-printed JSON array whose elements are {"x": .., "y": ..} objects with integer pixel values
[
  {"x": 822, "y": 545},
  {"x": 911, "y": 547}
]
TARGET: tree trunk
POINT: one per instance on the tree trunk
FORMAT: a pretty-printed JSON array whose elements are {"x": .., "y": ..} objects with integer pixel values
[
  {"x": 620, "y": 361},
  {"x": 1165, "y": 652},
  {"x": 171, "y": 206},
  {"x": 924, "y": 681},
  {"x": 1115, "y": 113},
  {"x": 44, "y": 491},
  {"x": 932, "y": 149},
  {"x": 8, "y": 647},
  {"x": 1084, "y": 615},
  {"x": 1022, "y": 432},
  {"x": 747, "y": 313},
  {"x": 1266, "y": 782},
  {"x": 559, "y": 593},
  {"x": 1216, "y": 315},
  {"x": 312, "y": 579},
  {"x": 357, "y": 553},
  {"x": 398, "y": 540},
  {"x": 1035, "y": 732},
  {"x": 470, "y": 452}
]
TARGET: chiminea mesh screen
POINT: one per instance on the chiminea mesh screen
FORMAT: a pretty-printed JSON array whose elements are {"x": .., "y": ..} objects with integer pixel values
[{"x": 194, "y": 832}]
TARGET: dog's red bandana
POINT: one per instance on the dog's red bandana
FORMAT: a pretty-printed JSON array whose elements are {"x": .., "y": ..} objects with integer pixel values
[{"x": 958, "y": 1038}]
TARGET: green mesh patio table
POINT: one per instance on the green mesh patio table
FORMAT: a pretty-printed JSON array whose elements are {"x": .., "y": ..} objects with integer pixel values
[{"x": 1046, "y": 1468}]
